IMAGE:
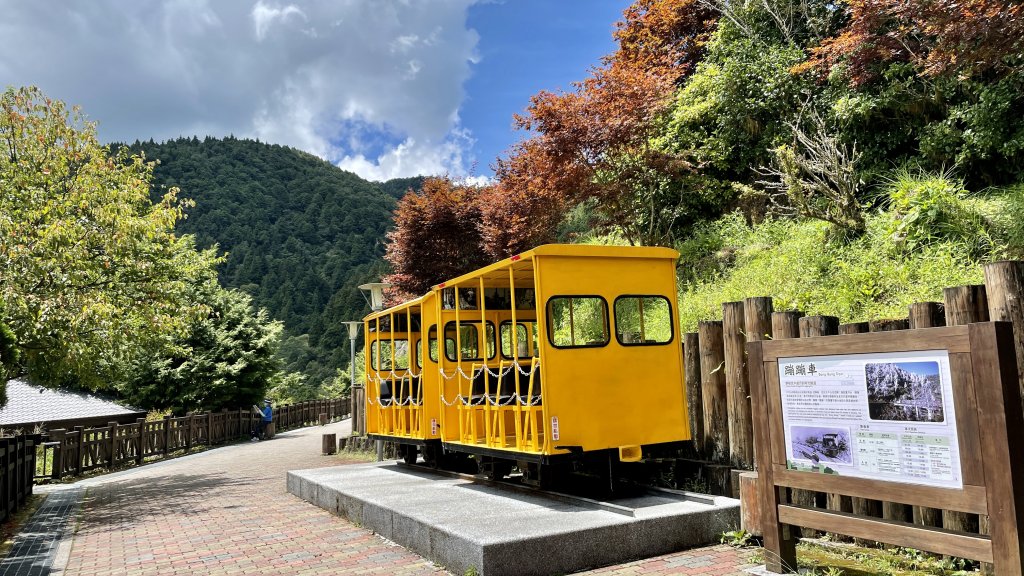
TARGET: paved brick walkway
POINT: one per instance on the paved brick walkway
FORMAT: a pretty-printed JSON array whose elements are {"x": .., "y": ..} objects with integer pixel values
[
  {"x": 226, "y": 511},
  {"x": 720, "y": 560},
  {"x": 35, "y": 547}
]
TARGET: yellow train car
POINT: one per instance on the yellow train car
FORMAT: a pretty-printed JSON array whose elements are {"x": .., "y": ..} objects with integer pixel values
[
  {"x": 598, "y": 363},
  {"x": 402, "y": 397},
  {"x": 555, "y": 354}
]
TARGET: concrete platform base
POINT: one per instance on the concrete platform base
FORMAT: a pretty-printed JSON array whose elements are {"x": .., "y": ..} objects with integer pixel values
[{"x": 461, "y": 524}]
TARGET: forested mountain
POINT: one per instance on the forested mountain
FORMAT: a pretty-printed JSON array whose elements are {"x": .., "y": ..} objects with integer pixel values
[{"x": 300, "y": 234}]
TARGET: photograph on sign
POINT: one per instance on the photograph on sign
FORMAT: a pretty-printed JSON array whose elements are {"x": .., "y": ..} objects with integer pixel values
[
  {"x": 904, "y": 391},
  {"x": 886, "y": 416},
  {"x": 822, "y": 444}
]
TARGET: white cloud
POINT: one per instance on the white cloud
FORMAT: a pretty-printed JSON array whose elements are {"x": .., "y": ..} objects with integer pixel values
[
  {"x": 263, "y": 16},
  {"x": 373, "y": 85}
]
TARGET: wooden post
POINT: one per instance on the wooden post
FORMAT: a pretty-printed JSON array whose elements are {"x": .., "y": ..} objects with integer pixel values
[
  {"x": 78, "y": 450},
  {"x": 167, "y": 435},
  {"x": 1004, "y": 285},
  {"x": 786, "y": 324},
  {"x": 779, "y": 539},
  {"x": 58, "y": 436},
  {"x": 741, "y": 431},
  {"x": 757, "y": 320},
  {"x": 323, "y": 419},
  {"x": 712, "y": 378},
  {"x": 112, "y": 445},
  {"x": 927, "y": 315},
  {"x": 188, "y": 431},
  {"x": 890, "y": 510},
  {"x": 853, "y": 328},
  {"x": 995, "y": 349},
  {"x": 330, "y": 444},
  {"x": 811, "y": 326},
  {"x": 694, "y": 398},
  {"x": 140, "y": 440},
  {"x": 209, "y": 429},
  {"x": 965, "y": 305}
]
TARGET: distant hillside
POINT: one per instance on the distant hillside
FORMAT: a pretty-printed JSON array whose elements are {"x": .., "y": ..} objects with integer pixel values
[{"x": 301, "y": 234}]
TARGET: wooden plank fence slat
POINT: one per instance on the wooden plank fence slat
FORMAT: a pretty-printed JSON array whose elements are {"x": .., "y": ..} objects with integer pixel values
[
  {"x": 712, "y": 378},
  {"x": 694, "y": 396},
  {"x": 737, "y": 388}
]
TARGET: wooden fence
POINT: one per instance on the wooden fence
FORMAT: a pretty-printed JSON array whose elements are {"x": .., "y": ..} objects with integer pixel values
[
  {"x": 17, "y": 470},
  {"x": 719, "y": 392},
  {"x": 74, "y": 452}
]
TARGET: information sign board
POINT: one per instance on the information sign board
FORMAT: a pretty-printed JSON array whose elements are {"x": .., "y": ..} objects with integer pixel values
[{"x": 882, "y": 416}]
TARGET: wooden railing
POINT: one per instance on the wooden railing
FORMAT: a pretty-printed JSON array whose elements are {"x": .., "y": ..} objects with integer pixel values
[
  {"x": 17, "y": 469},
  {"x": 75, "y": 452}
]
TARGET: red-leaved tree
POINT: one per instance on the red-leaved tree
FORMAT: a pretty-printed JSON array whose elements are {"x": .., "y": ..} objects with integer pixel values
[
  {"x": 436, "y": 236},
  {"x": 610, "y": 113},
  {"x": 940, "y": 37}
]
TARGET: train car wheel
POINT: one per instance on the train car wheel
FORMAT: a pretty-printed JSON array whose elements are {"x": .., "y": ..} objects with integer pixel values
[
  {"x": 408, "y": 453},
  {"x": 498, "y": 469},
  {"x": 430, "y": 456}
]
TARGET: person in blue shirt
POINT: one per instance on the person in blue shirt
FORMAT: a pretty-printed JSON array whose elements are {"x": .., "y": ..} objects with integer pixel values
[{"x": 266, "y": 417}]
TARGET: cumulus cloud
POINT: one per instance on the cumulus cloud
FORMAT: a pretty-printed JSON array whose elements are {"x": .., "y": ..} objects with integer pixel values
[{"x": 372, "y": 86}]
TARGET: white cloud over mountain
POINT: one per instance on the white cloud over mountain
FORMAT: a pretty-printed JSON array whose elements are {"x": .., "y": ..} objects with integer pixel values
[{"x": 374, "y": 86}]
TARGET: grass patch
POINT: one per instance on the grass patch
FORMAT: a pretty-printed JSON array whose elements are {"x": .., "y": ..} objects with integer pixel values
[
  {"x": 823, "y": 557},
  {"x": 838, "y": 559},
  {"x": 356, "y": 456},
  {"x": 804, "y": 267}
]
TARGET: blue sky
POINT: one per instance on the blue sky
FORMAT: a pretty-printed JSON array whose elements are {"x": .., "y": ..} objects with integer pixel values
[
  {"x": 385, "y": 88},
  {"x": 527, "y": 46}
]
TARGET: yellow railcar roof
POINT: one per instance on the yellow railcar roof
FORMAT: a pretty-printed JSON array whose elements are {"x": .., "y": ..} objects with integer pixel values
[
  {"x": 569, "y": 250},
  {"x": 399, "y": 307}
]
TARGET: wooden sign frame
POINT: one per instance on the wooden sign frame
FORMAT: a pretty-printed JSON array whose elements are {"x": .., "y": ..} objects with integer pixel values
[{"x": 987, "y": 396}]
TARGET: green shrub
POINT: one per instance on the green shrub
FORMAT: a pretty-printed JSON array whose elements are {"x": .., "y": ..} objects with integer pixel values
[
  {"x": 927, "y": 209},
  {"x": 803, "y": 266}
]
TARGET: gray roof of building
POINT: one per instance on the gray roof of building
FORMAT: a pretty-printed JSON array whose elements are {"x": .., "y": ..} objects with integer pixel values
[{"x": 28, "y": 403}]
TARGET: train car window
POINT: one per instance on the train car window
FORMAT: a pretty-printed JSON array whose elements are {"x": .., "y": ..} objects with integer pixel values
[
  {"x": 469, "y": 337},
  {"x": 432, "y": 343},
  {"x": 401, "y": 354},
  {"x": 419, "y": 353},
  {"x": 380, "y": 355},
  {"x": 577, "y": 321},
  {"x": 501, "y": 298},
  {"x": 467, "y": 298},
  {"x": 523, "y": 337},
  {"x": 643, "y": 320}
]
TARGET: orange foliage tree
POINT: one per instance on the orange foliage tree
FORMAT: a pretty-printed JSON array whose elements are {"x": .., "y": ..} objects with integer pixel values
[
  {"x": 577, "y": 133},
  {"x": 436, "y": 236},
  {"x": 940, "y": 37}
]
